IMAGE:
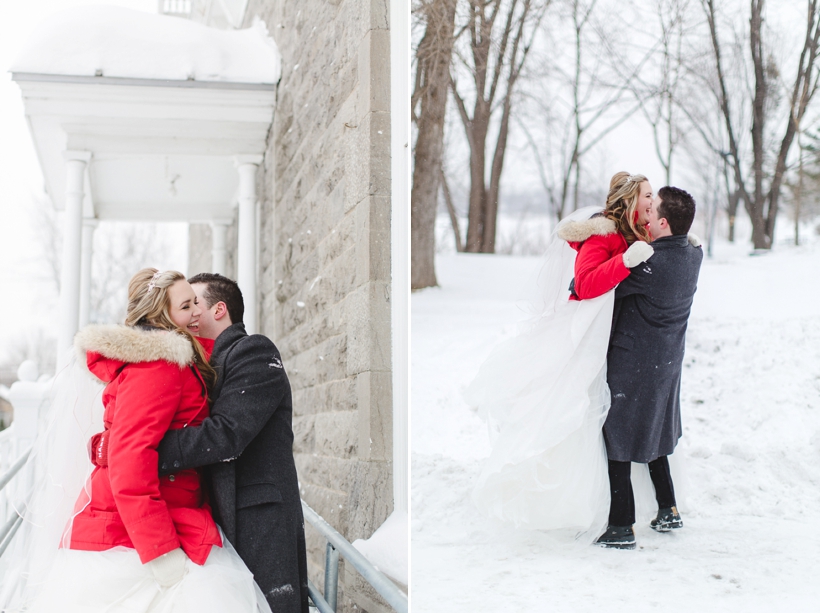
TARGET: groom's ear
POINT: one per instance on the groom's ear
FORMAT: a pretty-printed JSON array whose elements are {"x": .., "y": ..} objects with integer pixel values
[{"x": 220, "y": 311}]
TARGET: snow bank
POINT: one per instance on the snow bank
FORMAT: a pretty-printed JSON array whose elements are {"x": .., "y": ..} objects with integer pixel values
[
  {"x": 387, "y": 548},
  {"x": 751, "y": 418},
  {"x": 117, "y": 42}
]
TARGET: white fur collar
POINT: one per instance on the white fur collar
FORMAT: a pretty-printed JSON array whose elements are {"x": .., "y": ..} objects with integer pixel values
[
  {"x": 577, "y": 231},
  {"x": 134, "y": 344}
]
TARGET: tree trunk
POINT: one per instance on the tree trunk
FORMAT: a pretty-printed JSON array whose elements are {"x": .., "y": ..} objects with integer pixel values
[
  {"x": 492, "y": 57},
  {"x": 451, "y": 210},
  {"x": 433, "y": 80}
]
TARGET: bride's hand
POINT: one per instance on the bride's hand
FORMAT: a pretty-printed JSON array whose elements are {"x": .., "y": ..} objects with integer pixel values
[
  {"x": 169, "y": 568},
  {"x": 638, "y": 252}
]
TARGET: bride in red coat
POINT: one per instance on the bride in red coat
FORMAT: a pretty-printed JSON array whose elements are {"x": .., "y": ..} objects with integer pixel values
[
  {"x": 136, "y": 541},
  {"x": 544, "y": 392}
]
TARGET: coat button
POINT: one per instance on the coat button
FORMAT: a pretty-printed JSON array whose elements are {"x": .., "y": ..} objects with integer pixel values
[
  {"x": 171, "y": 478},
  {"x": 176, "y": 464}
]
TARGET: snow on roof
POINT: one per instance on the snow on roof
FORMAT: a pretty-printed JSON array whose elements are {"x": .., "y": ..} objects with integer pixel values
[{"x": 117, "y": 42}]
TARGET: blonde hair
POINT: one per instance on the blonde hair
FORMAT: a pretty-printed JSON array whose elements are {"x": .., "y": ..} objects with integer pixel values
[
  {"x": 622, "y": 205},
  {"x": 149, "y": 304}
]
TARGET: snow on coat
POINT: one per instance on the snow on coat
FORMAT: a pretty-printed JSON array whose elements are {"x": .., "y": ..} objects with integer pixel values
[
  {"x": 646, "y": 347},
  {"x": 599, "y": 265},
  {"x": 152, "y": 387}
]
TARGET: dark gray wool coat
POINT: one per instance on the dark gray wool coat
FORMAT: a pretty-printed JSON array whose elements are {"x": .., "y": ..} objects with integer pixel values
[
  {"x": 247, "y": 446},
  {"x": 645, "y": 356}
]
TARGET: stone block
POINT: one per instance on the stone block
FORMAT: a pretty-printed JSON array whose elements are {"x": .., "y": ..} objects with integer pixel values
[
  {"x": 374, "y": 71},
  {"x": 369, "y": 331},
  {"x": 339, "y": 395},
  {"x": 375, "y": 415},
  {"x": 373, "y": 241},
  {"x": 304, "y": 434},
  {"x": 370, "y": 500},
  {"x": 320, "y": 364},
  {"x": 329, "y": 473},
  {"x": 336, "y": 433}
]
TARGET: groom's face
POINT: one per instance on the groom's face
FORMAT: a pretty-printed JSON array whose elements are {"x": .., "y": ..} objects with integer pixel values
[
  {"x": 207, "y": 323},
  {"x": 658, "y": 226}
]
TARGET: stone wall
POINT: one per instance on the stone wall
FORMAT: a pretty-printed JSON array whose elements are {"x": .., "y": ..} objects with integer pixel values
[{"x": 324, "y": 279}]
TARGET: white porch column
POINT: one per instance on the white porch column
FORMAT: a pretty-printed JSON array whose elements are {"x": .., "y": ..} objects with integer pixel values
[
  {"x": 75, "y": 166},
  {"x": 219, "y": 250},
  {"x": 89, "y": 225},
  {"x": 246, "y": 271}
]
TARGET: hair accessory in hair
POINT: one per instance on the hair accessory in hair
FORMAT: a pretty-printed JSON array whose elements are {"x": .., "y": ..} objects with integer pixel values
[
  {"x": 631, "y": 178},
  {"x": 152, "y": 284}
]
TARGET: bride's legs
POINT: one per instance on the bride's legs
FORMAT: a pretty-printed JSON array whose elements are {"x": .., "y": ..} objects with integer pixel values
[{"x": 622, "y": 503}]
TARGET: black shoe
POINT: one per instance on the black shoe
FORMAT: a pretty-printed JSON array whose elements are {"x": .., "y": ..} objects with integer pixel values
[
  {"x": 667, "y": 519},
  {"x": 617, "y": 537}
]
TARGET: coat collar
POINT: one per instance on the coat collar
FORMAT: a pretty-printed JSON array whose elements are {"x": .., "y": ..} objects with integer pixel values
[
  {"x": 578, "y": 231},
  {"x": 229, "y": 336},
  {"x": 666, "y": 242},
  {"x": 131, "y": 344}
]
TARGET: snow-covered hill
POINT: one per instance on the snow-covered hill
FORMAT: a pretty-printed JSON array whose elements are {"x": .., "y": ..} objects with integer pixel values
[{"x": 751, "y": 416}]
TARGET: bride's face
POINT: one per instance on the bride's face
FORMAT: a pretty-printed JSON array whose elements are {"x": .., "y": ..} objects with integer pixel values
[
  {"x": 183, "y": 308},
  {"x": 644, "y": 203}
]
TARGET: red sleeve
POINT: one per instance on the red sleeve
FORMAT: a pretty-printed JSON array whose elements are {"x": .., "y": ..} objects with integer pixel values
[
  {"x": 148, "y": 396},
  {"x": 599, "y": 266}
]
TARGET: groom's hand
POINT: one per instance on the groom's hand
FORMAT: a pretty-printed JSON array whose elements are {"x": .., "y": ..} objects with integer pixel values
[{"x": 638, "y": 252}]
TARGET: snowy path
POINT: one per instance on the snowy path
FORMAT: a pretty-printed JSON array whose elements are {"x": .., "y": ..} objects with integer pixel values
[{"x": 751, "y": 415}]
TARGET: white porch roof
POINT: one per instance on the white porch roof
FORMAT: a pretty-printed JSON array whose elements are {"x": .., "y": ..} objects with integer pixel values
[{"x": 162, "y": 104}]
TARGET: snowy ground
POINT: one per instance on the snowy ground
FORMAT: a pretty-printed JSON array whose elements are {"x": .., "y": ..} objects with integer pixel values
[{"x": 751, "y": 415}]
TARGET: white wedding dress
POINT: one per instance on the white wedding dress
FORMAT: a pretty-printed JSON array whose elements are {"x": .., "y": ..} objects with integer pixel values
[
  {"x": 38, "y": 574},
  {"x": 545, "y": 398}
]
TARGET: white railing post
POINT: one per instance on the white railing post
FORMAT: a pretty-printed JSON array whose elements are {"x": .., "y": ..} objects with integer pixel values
[{"x": 26, "y": 397}]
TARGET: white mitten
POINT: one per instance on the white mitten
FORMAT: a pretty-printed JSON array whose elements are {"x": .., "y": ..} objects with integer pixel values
[
  {"x": 694, "y": 240},
  {"x": 169, "y": 568},
  {"x": 638, "y": 252}
]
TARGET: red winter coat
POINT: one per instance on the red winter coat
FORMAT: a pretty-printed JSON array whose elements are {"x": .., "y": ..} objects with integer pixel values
[
  {"x": 599, "y": 265},
  {"x": 152, "y": 387}
]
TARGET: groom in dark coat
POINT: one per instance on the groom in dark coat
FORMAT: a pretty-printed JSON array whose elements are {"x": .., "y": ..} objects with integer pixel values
[
  {"x": 246, "y": 445},
  {"x": 644, "y": 364}
]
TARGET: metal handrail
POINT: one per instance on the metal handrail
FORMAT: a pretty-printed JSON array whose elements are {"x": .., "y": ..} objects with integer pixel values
[
  {"x": 339, "y": 545},
  {"x": 15, "y": 468},
  {"x": 8, "y": 531}
]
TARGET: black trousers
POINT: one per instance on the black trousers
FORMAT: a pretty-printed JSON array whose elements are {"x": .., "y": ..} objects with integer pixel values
[{"x": 622, "y": 504}]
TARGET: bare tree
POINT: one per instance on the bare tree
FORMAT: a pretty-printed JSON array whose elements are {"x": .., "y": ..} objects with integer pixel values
[
  {"x": 578, "y": 106},
  {"x": 659, "y": 100},
  {"x": 761, "y": 201},
  {"x": 501, "y": 34},
  {"x": 433, "y": 58}
]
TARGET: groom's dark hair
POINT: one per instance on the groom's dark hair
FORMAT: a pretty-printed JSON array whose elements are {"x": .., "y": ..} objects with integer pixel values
[
  {"x": 221, "y": 289},
  {"x": 677, "y": 207}
]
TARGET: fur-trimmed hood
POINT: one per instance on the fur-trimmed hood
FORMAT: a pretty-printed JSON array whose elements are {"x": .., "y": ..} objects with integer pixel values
[
  {"x": 130, "y": 345},
  {"x": 577, "y": 231}
]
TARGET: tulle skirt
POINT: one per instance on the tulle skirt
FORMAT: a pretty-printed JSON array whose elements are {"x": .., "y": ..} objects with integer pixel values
[
  {"x": 116, "y": 580},
  {"x": 545, "y": 398}
]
